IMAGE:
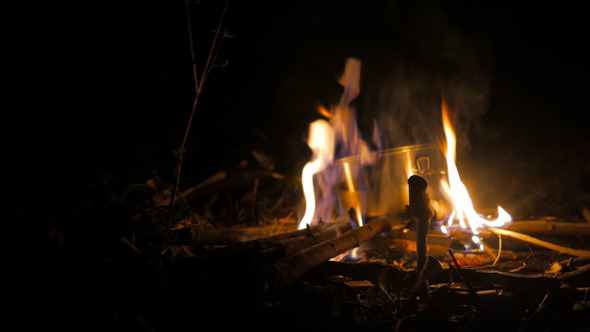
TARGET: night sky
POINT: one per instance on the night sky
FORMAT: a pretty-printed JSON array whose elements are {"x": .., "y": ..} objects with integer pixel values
[{"x": 106, "y": 87}]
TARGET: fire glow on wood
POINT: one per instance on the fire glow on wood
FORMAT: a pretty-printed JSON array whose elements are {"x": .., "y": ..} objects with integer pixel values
[{"x": 321, "y": 176}]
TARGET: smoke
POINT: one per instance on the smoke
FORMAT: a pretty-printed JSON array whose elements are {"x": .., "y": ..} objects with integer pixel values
[
  {"x": 403, "y": 89},
  {"x": 432, "y": 56}
]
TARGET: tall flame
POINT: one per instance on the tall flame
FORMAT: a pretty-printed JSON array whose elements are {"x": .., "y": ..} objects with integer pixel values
[
  {"x": 321, "y": 143},
  {"x": 455, "y": 190},
  {"x": 342, "y": 132}
]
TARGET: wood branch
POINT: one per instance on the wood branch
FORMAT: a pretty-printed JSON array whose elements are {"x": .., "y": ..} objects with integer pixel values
[
  {"x": 580, "y": 274},
  {"x": 399, "y": 279},
  {"x": 530, "y": 239},
  {"x": 229, "y": 180},
  {"x": 218, "y": 182},
  {"x": 302, "y": 232},
  {"x": 199, "y": 236},
  {"x": 508, "y": 280},
  {"x": 551, "y": 228},
  {"x": 285, "y": 244},
  {"x": 421, "y": 213},
  {"x": 433, "y": 239},
  {"x": 542, "y": 228},
  {"x": 291, "y": 268},
  {"x": 249, "y": 236},
  {"x": 391, "y": 276},
  {"x": 291, "y": 246}
]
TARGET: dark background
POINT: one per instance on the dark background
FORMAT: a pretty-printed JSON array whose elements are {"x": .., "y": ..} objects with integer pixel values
[
  {"x": 97, "y": 96},
  {"x": 106, "y": 88}
]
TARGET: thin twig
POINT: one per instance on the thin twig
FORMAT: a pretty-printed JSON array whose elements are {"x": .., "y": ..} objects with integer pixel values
[
  {"x": 198, "y": 88},
  {"x": 541, "y": 306},
  {"x": 191, "y": 45},
  {"x": 210, "y": 56},
  {"x": 461, "y": 276},
  {"x": 499, "y": 249}
]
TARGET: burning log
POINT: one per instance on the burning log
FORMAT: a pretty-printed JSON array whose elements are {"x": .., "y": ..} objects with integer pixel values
[{"x": 291, "y": 268}]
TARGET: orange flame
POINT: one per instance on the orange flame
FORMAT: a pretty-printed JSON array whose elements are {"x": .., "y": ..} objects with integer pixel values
[{"x": 456, "y": 192}]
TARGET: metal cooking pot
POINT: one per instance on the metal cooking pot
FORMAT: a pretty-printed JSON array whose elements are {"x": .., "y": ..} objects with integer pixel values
[{"x": 382, "y": 188}]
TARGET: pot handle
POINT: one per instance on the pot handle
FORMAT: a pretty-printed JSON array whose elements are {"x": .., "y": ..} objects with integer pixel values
[{"x": 422, "y": 164}]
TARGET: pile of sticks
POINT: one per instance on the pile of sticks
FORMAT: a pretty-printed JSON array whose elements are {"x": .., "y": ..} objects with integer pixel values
[
  {"x": 283, "y": 258},
  {"x": 287, "y": 256}
]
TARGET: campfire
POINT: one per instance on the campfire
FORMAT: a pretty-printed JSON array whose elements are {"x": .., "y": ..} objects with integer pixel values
[
  {"x": 330, "y": 172},
  {"x": 297, "y": 166},
  {"x": 396, "y": 221}
]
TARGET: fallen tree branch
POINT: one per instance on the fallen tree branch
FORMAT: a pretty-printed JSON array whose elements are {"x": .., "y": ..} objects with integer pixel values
[{"x": 291, "y": 268}]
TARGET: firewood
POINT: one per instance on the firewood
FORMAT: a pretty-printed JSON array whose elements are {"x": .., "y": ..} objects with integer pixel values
[
  {"x": 433, "y": 239},
  {"x": 285, "y": 244},
  {"x": 551, "y": 228},
  {"x": 228, "y": 180},
  {"x": 199, "y": 236},
  {"x": 386, "y": 276},
  {"x": 530, "y": 239},
  {"x": 421, "y": 213},
  {"x": 540, "y": 228},
  {"x": 291, "y": 268},
  {"x": 291, "y": 246},
  {"x": 249, "y": 236},
  {"x": 577, "y": 275},
  {"x": 506, "y": 280},
  {"x": 302, "y": 232}
]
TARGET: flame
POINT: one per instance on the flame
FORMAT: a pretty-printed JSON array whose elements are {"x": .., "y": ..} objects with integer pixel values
[
  {"x": 456, "y": 192},
  {"x": 321, "y": 143},
  {"x": 341, "y": 131}
]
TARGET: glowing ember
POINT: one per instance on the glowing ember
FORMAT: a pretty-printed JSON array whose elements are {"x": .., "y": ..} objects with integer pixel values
[{"x": 456, "y": 192}]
